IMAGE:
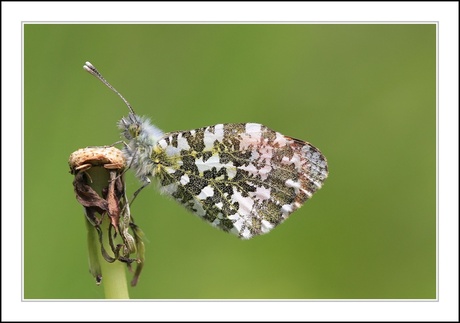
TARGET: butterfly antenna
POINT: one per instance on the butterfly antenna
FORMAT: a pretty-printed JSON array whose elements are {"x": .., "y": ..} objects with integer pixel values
[{"x": 92, "y": 70}]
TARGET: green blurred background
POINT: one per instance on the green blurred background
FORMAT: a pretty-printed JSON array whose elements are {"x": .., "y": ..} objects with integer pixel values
[{"x": 364, "y": 94}]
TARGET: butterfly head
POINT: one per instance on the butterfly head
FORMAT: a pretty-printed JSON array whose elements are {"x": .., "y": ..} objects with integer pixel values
[{"x": 139, "y": 130}]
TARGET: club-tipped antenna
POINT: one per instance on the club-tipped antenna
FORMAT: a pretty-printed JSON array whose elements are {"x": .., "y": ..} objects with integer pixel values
[{"x": 92, "y": 70}]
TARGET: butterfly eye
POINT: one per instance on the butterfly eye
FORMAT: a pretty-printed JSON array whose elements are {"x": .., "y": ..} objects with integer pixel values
[{"x": 134, "y": 130}]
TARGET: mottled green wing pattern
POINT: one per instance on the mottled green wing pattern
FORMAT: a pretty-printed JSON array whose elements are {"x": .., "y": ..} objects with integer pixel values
[{"x": 243, "y": 178}]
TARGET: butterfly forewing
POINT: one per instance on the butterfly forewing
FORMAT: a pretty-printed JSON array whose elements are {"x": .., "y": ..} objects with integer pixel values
[{"x": 243, "y": 178}]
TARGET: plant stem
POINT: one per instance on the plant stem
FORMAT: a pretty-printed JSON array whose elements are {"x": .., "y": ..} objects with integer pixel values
[{"x": 113, "y": 274}]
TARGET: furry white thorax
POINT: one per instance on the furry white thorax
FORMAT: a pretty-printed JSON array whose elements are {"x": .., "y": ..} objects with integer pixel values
[{"x": 142, "y": 136}]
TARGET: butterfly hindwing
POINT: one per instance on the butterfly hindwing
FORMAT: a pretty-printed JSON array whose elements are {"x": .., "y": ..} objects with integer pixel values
[{"x": 243, "y": 178}]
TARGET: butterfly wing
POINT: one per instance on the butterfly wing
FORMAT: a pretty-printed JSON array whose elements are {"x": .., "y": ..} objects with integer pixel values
[{"x": 243, "y": 178}]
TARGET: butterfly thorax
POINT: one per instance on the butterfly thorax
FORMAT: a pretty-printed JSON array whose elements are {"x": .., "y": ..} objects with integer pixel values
[{"x": 141, "y": 137}]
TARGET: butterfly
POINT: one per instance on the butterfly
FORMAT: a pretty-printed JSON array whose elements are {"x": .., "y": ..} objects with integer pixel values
[{"x": 242, "y": 178}]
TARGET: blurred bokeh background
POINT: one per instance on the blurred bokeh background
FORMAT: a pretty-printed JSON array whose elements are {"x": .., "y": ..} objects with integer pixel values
[{"x": 365, "y": 95}]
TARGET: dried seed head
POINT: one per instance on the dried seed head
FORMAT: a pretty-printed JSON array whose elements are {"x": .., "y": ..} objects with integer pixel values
[
  {"x": 85, "y": 158},
  {"x": 100, "y": 189}
]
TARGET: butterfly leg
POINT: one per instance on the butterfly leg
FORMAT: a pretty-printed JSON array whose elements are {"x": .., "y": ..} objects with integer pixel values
[{"x": 146, "y": 183}]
